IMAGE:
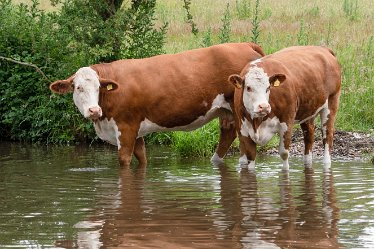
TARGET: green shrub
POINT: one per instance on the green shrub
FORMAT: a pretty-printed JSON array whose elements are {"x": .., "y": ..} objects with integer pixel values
[
  {"x": 243, "y": 9},
  {"x": 81, "y": 33},
  {"x": 225, "y": 30}
]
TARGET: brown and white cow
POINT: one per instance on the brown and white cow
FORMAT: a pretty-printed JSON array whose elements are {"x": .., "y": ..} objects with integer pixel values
[
  {"x": 291, "y": 86},
  {"x": 128, "y": 99}
]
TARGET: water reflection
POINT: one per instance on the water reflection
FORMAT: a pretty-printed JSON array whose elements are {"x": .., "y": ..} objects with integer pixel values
[
  {"x": 305, "y": 221},
  {"x": 148, "y": 213}
]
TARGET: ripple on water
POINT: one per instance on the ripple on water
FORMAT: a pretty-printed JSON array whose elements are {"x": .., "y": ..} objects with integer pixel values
[{"x": 78, "y": 197}]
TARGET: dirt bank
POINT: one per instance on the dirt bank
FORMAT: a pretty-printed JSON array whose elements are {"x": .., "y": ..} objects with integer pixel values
[{"x": 347, "y": 145}]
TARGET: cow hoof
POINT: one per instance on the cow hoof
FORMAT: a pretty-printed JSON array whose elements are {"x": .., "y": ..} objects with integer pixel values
[
  {"x": 285, "y": 166},
  {"x": 216, "y": 160},
  {"x": 251, "y": 165},
  {"x": 326, "y": 166},
  {"x": 308, "y": 161},
  {"x": 245, "y": 164}
]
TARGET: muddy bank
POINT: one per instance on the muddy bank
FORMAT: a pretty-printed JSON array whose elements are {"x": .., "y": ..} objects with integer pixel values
[{"x": 347, "y": 145}]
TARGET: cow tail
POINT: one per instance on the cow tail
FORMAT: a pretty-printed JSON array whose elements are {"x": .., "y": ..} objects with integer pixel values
[
  {"x": 257, "y": 48},
  {"x": 331, "y": 52}
]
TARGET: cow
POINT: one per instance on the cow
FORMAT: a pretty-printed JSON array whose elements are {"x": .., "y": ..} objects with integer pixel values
[
  {"x": 272, "y": 93},
  {"x": 128, "y": 99}
]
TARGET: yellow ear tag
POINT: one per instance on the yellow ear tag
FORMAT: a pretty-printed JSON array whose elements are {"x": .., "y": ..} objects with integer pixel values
[
  {"x": 276, "y": 83},
  {"x": 109, "y": 87}
]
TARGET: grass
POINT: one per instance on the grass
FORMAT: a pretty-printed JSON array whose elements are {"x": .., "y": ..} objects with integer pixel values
[
  {"x": 343, "y": 26},
  {"x": 346, "y": 26}
]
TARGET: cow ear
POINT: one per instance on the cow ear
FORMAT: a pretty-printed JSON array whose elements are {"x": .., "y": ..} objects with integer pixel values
[
  {"x": 277, "y": 79},
  {"x": 62, "y": 86},
  {"x": 236, "y": 80},
  {"x": 108, "y": 85}
]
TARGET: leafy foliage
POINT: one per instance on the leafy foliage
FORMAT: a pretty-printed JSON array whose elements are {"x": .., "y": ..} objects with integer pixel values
[
  {"x": 256, "y": 23},
  {"x": 82, "y": 33},
  {"x": 225, "y": 30},
  {"x": 189, "y": 17}
]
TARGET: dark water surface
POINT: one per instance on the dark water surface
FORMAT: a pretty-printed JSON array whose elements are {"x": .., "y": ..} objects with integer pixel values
[{"x": 78, "y": 197}]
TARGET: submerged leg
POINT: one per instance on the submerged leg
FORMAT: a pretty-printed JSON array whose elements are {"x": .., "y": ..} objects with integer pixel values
[
  {"x": 328, "y": 115},
  {"x": 126, "y": 145},
  {"x": 140, "y": 152},
  {"x": 247, "y": 153},
  {"x": 308, "y": 134},
  {"x": 227, "y": 136},
  {"x": 284, "y": 145}
]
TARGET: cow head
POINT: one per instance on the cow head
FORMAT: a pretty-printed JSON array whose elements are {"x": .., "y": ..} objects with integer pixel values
[
  {"x": 256, "y": 89},
  {"x": 86, "y": 86}
]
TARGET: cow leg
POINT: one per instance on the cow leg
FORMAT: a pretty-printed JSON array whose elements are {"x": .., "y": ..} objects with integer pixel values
[
  {"x": 284, "y": 145},
  {"x": 140, "y": 152},
  {"x": 126, "y": 145},
  {"x": 308, "y": 134},
  {"x": 227, "y": 136},
  {"x": 328, "y": 116},
  {"x": 247, "y": 152}
]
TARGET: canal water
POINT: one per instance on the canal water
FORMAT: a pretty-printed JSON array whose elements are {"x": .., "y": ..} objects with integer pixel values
[{"x": 78, "y": 197}]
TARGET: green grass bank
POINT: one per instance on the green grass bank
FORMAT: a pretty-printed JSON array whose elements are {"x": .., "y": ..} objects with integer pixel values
[{"x": 346, "y": 26}]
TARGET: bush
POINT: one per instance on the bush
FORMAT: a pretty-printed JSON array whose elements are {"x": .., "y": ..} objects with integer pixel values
[{"x": 81, "y": 33}]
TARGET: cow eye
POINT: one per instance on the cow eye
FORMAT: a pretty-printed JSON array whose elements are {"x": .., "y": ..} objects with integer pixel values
[
  {"x": 249, "y": 89},
  {"x": 268, "y": 89},
  {"x": 80, "y": 88}
]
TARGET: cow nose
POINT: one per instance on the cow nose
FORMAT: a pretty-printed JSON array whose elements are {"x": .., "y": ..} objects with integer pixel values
[
  {"x": 94, "y": 112},
  {"x": 264, "y": 107}
]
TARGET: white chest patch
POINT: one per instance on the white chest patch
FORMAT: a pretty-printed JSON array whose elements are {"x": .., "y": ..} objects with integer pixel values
[
  {"x": 107, "y": 130},
  {"x": 148, "y": 126},
  {"x": 264, "y": 132}
]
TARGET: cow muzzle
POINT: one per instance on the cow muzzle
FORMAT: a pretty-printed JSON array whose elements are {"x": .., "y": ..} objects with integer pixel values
[
  {"x": 94, "y": 113},
  {"x": 263, "y": 110}
]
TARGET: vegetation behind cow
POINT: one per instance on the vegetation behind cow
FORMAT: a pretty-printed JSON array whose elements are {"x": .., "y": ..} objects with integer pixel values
[
  {"x": 343, "y": 25},
  {"x": 81, "y": 33},
  {"x": 78, "y": 35}
]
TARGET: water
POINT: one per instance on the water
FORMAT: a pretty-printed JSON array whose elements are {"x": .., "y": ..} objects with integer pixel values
[{"x": 78, "y": 197}]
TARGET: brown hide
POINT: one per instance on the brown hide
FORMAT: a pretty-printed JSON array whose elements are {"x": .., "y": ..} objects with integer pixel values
[
  {"x": 171, "y": 90},
  {"x": 312, "y": 77}
]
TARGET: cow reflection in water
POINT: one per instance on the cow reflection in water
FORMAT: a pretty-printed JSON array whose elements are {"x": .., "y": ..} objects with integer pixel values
[
  {"x": 244, "y": 216},
  {"x": 303, "y": 221}
]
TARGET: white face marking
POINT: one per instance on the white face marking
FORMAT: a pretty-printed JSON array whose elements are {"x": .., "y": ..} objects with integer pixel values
[
  {"x": 148, "y": 126},
  {"x": 108, "y": 131},
  {"x": 86, "y": 90},
  {"x": 256, "y": 90},
  {"x": 255, "y": 61}
]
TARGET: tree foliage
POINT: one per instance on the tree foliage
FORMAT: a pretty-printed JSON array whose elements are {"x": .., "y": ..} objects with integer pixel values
[{"x": 81, "y": 33}]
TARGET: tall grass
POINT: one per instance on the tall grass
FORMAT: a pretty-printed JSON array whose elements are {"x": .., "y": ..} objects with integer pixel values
[
  {"x": 200, "y": 142},
  {"x": 346, "y": 26},
  {"x": 343, "y": 25}
]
